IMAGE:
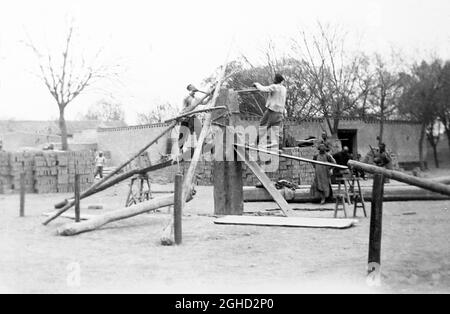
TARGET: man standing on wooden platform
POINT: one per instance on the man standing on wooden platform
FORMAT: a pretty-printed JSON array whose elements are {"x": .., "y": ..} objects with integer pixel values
[{"x": 272, "y": 120}]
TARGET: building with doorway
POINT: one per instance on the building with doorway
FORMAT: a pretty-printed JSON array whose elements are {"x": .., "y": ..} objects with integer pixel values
[{"x": 400, "y": 137}]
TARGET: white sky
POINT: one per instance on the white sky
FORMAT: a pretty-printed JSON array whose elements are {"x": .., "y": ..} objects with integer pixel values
[{"x": 164, "y": 45}]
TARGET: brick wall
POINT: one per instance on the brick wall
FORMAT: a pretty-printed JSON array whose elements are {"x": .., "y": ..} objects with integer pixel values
[
  {"x": 46, "y": 172},
  {"x": 295, "y": 171}
]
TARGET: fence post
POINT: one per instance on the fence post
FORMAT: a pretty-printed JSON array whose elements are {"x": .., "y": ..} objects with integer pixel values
[
  {"x": 178, "y": 209},
  {"x": 376, "y": 218},
  {"x": 77, "y": 198},
  {"x": 22, "y": 194}
]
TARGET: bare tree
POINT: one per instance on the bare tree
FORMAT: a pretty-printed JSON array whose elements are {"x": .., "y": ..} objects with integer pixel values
[
  {"x": 420, "y": 99},
  {"x": 330, "y": 72},
  {"x": 444, "y": 100},
  {"x": 385, "y": 93},
  {"x": 158, "y": 115},
  {"x": 67, "y": 76},
  {"x": 106, "y": 111}
]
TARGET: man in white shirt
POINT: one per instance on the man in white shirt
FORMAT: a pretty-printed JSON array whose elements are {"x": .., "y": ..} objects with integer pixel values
[
  {"x": 272, "y": 120},
  {"x": 100, "y": 162}
]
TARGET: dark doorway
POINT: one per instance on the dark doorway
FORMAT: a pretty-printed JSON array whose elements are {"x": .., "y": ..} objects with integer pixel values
[{"x": 349, "y": 138}]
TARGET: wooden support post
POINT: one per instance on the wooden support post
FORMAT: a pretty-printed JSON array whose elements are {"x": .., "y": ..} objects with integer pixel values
[
  {"x": 376, "y": 226},
  {"x": 22, "y": 194},
  {"x": 77, "y": 198},
  {"x": 228, "y": 183},
  {"x": 178, "y": 209}
]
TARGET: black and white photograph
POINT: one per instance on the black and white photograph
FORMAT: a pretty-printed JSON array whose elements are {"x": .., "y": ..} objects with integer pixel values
[{"x": 223, "y": 153}]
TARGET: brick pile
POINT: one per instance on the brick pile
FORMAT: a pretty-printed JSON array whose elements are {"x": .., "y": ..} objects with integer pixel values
[
  {"x": 294, "y": 171},
  {"x": 297, "y": 172},
  {"x": 5, "y": 172},
  {"x": 46, "y": 171},
  {"x": 22, "y": 163}
]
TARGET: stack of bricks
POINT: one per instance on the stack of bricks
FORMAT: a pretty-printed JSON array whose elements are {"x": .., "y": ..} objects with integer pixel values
[
  {"x": 46, "y": 171},
  {"x": 301, "y": 173},
  {"x": 5, "y": 172},
  {"x": 71, "y": 163},
  {"x": 22, "y": 163}
]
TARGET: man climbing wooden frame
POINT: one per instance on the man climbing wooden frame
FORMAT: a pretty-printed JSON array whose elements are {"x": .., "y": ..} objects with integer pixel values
[{"x": 124, "y": 213}]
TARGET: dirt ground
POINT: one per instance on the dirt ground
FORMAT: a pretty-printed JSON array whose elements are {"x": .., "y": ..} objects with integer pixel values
[{"x": 127, "y": 257}]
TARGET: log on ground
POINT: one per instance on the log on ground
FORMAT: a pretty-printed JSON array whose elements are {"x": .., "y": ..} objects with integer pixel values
[
  {"x": 124, "y": 213},
  {"x": 401, "y": 193}
]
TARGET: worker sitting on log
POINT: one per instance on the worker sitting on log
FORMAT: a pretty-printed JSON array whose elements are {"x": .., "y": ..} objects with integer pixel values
[
  {"x": 321, "y": 187},
  {"x": 272, "y": 120}
]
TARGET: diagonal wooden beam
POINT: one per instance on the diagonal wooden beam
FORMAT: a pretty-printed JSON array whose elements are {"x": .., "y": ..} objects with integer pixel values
[
  {"x": 267, "y": 183},
  {"x": 274, "y": 153}
]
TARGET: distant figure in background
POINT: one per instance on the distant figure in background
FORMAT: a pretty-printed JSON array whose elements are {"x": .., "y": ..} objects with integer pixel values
[
  {"x": 1, "y": 145},
  {"x": 321, "y": 187},
  {"x": 273, "y": 117},
  {"x": 100, "y": 162},
  {"x": 324, "y": 141}
]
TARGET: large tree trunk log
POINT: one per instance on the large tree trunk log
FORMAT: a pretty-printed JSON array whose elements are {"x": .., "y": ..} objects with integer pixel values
[
  {"x": 399, "y": 176},
  {"x": 402, "y": 193},
  {"x": 97, "y": 222}
]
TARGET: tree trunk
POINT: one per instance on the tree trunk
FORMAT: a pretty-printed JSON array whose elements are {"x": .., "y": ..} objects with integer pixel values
[
  {"x": 421, "y": 140},
  {"x": 382, "y": 116},
  {"x": 435, "y": 154},
  {"x": 381, "y": 130},
  {"x": 381, "y": 125},
  {"x": 447, "y": 132},
  {"x": 335, "y": 129},
  {"x": 63, "y": 129}
]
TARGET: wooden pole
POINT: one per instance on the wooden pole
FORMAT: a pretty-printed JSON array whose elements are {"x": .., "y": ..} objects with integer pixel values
[
  {"x": 77, "y": 198},
  {"x": 376, "y": 219},
  {"x": 399, "y": 176},
  {"x": 265, "y": 151},
  {"x": 178, "y": 209},
  {"x": 22, "y": 194}
]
